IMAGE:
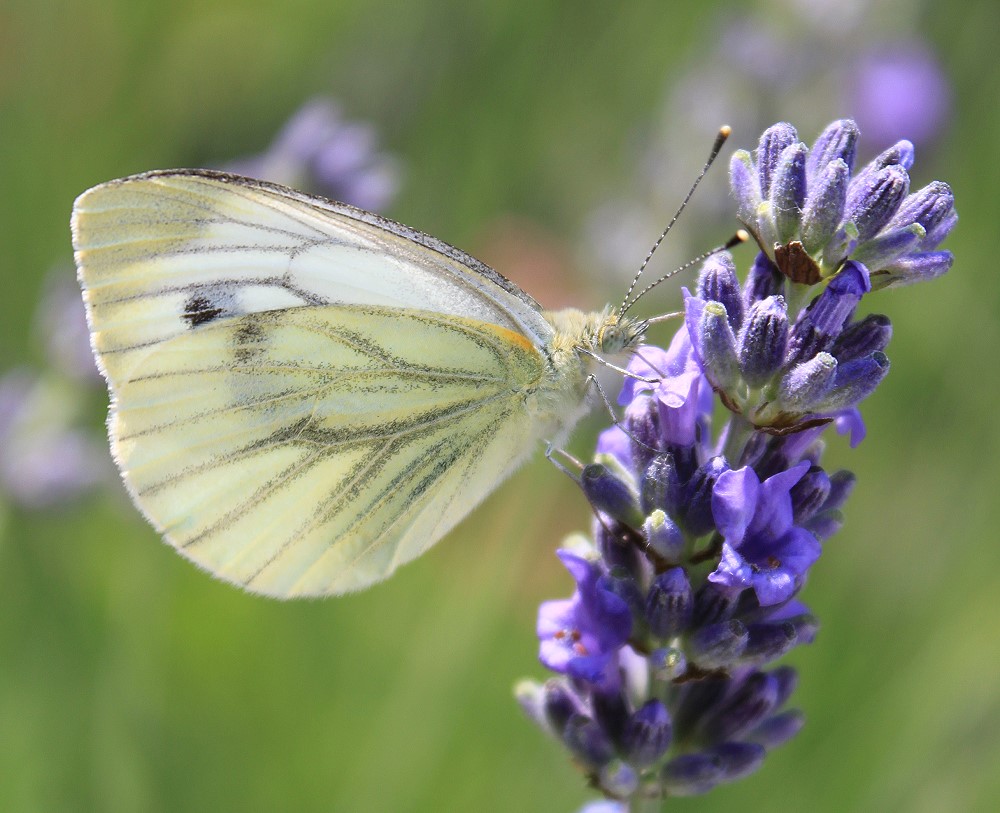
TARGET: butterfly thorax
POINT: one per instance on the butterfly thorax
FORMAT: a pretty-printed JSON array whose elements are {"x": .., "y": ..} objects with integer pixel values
[{"x": 560, "y": 399}]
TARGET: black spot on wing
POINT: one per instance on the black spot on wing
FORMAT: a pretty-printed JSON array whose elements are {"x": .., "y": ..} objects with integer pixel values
[{"x": 208, "y": 304}]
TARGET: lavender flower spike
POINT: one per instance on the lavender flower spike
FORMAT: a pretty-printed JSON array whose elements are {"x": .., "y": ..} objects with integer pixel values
[
  {"x": 318, "y": 150},
  {"x": 809, "y": 216},
  {"x": 711, "y": 502}
]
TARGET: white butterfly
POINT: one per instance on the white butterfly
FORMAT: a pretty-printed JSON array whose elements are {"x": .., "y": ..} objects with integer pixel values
[{"x": 306, "y": 395}]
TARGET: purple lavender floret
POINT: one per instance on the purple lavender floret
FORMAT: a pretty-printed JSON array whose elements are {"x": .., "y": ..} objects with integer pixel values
[
  {"x": 763, "y": 549},
  {"x": 707, "y": 530},
  {"x": 581, "y": 636},
  {"x": 320, "y": 151}
]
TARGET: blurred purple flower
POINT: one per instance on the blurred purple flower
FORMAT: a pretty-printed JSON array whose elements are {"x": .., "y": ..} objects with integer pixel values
[
  {"x": 898, "y": 89},
  {"x": 44, "y": 459},
  {"x": 321, "y": 152},
  {"x": 61, "y": 325}
]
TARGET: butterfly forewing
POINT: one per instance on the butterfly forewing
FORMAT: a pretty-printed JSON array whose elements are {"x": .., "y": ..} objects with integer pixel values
[
  {"x": 302, "y": 400},
  {"x": 165, "y": 251}
]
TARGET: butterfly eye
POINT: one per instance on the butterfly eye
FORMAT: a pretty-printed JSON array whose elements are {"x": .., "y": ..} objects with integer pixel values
[{"x": 607, "y": 337}]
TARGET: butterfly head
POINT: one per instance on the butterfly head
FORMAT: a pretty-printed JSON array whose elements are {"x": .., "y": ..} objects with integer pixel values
[
  {"x": 600, "y": 333},
  {"x": 618, "y": 333}
]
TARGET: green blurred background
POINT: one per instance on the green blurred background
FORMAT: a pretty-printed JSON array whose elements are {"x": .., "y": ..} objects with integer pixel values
[{"x": 130, "y": 681}]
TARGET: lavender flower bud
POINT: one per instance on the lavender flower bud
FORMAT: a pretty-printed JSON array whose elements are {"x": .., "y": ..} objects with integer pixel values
[
  {"x": 719, "y": 645},
  {"x": 807, "y": 384},
  {"x": 717, "y": 282},
  {"x": 772, "y": 143},
  {"x": 611, "y": 714},
  {"x": 769, "y": 641},
  {"x": 647, "y": 734},
  {"x": 930, "y": 207},
  {"x": 854, "y": 381},
  {"x": 939, "y": 231},
  {"x": 696, "y": 700},
  {"x": 743, "y": 710},
  {"x": 663, "y": 536},
  {"x": 825, "y": 206},
  {"x": 885, "y": 247},
  {"x": 841, "y": 485},
  {"x": 587, "y": 741},
  {"x": 825, "y": 524},
  {"x": 738, "y": 759},
  {"x": 764, "y": 280},
  {"x": 626, "y": 588},
  {"x": 611, "y": 495},
  {"x": 558, "y": 704},
  {"x": 713, "y": 604},
  {"x": 806, "y": 627},
  {"x": 617, "y": 545},
  {"x": 642, "y": 420},
  {"x": 862, "y": 338},
  {"x": 786, "y": 679},
  {"x": 838, "y": 141},
  {"x": 913, "y": 268},
  {"x": 745, "y": 186},
  {"x": 778, "y": 729},
  {"x": 718, "y": 348},
  {"x": 809, "y": 494},
  {"x": 831, "y": 309},
  {"x": 872, "y": 201},
  {"x": 788, "y": 191},
  {"x": 669, "y": 603},
  {"x": 819, "y": 325},
  {"x": 901, "y": 153},
  {"x": 691, "y": 775},
  {"x": 763, "y": 341},
  {"x": 698, "y": 519},
  {"x": 530, "y": 697}
]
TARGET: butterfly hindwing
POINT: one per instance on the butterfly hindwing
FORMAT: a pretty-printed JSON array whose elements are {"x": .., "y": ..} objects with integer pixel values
[{"x": 313, "y": 450}]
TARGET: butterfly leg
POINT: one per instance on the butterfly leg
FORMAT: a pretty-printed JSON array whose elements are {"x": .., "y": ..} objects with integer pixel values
[{"x": 592, "y": 379}]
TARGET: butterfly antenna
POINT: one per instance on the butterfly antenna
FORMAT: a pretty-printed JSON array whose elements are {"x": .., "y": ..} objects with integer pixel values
[
  {"x": 720, "y": 139},
  {"x": 741, "y": 236}
]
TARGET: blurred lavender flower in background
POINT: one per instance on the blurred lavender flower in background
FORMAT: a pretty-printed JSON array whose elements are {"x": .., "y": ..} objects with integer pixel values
[
  {"x": 704, "y": 534},
  {"x": 47, "y": 457},
  {"x": 321, "y": 152},
  {"x": 897, "y": 89},
  {"x": 61, "y": 328},
  {"x": 857, "y": 55}
]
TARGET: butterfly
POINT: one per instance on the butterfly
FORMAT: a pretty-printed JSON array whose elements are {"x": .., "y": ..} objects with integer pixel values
[{"x": 306, "y": 395}]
